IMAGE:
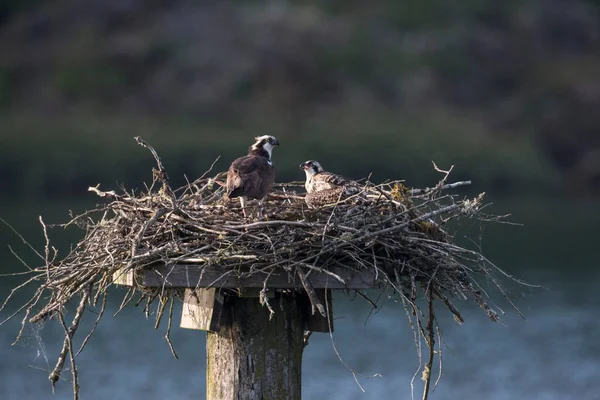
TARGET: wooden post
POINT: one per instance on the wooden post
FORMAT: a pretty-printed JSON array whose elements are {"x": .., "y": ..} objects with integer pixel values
[{"x": 252, "y": 357}]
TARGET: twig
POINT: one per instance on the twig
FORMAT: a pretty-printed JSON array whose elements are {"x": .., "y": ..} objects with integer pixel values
[
  {"x": 367, "y": 299},
  {"x": 22, "y": 239},
  {"x": 416, "y": 192},
  {"x": 68, "y": 346},
  {"x": 162, "y": 173},
  {"x": 69, "y": 342},
  {"x": 168, "y": 333},
  {"x": 100, "y": 314},
  {"x": 310, "y": 291},
  {"x": 430, "y": 345},
  {"x": 355, "y": 374},
  {"x": 161, "y": 310},
  {"x": 307, "y": 335}
]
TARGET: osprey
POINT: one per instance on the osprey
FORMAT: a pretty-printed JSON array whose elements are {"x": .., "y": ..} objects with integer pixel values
[
  {"x": 252, "y": 176},
  {"x": 325, "y": 187},
  {"x": 317, "y": 179}
]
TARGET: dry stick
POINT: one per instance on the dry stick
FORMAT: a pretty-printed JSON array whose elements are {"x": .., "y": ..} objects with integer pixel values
[
  {"x": 307, "y": 335},
  {"x": 260, "y": 224},
  {"x": 30, "y": 270},
  {"x": 149, "y": 301},
  {"x": 263, "y": 299},
  {"x": 441, "y": 183},
  {"x": 168, "y": 334},
  {"x": 366, "y": 298},
  {"x": 12, "y": 292},
  {"x": 440, "y": 353},
  {"x": 161, "y": 310},
  {"x": 29, "y": 305},
  {"x": 126, "y": 300},
  {"x": 414, "y": 192},
  {"x": 416, "y": 337},
  {"x": 420, "y": 332},
  {"x": 23, "y": 322},
  {"x": 430, "y": 344},
  {"x": 87, "y": 338},
  {"x": 312, "y": 295},
  {"x": 22, "y": 238},
  {"x": 46, "y": 247},
  {"x": 451, "y": 307},
  {"x": 71, "y": 358},
  {"x": 110, "y": 194},
  {"x": 142, "y": 297},
  {"x": 208, "y": 170},
  {"x": 331, "y": 216},
  {"x": 138, "y": 239},
  {"x": 67, "y": 345},
  {"x": 323, "y": 271},
  {"x": 162, "y": 174},
  {"x": 355, "y": 374}
]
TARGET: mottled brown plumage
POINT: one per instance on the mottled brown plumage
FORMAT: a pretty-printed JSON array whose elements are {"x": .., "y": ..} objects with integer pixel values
[
  {"x": 322, "y": 198},
  {"x": 252, "y": 176}
]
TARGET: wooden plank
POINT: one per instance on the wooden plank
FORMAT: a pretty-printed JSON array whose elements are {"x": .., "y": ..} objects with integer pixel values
[
  {"x": 182, "y": 275},
  {"x": 123, "y": 278},
  {"x": 202, "y": 309},
  {"x": 316, "y": 322}
]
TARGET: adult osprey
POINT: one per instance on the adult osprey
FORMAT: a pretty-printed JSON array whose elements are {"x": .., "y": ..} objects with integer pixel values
[
  {"x": 252, "y": 176},
  {"x": 325, "y": 187}
]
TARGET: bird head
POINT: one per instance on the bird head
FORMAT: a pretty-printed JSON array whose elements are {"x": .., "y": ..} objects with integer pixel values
[
  {"x": 266, "y": 143},
  {"x": 311, "y": 167}
]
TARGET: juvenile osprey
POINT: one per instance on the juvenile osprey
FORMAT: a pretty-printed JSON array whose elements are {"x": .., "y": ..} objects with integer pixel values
[
  {"x": 325, "y": 187},
  {"x": 317, "y": 179},
  {"x": 252, "y": 176}
]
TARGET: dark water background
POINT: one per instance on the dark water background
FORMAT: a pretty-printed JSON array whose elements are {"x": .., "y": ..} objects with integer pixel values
[{"x": 554, "y": 354}]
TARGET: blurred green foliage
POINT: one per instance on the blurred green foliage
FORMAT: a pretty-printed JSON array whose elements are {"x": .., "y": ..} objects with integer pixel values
[
  {"x": 505, "y": 91},
  {"x": 81, "y": 150}
]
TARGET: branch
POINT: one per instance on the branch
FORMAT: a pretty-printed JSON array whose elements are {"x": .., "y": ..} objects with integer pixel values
[
  {"x": 414, "y": 192},
  {"x": 162, "y": 173},
  {"x": 67, "y": 345},
  {"x": 312, "y": 295},
  {"x": 430, "y": 345}
]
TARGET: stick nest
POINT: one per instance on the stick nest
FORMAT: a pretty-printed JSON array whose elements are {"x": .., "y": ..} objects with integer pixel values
[{"x": 397, "y": 234}]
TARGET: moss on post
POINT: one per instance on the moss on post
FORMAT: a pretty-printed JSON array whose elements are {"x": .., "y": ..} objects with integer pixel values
[{"x": 252, "y": 357}]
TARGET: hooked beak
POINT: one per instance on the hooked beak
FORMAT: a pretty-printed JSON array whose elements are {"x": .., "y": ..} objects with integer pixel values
[
  {"x": 303, "y": 165},
  {"x": 275, "y": 142}
]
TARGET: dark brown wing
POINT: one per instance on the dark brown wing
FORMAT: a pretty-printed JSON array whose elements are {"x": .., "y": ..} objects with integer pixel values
[{"x": 251, "y": 176}]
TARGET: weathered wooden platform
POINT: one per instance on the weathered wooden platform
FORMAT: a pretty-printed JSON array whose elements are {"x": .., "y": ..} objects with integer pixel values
[
  {"x": 194, "y": 276},
  {"x": 204, "y": 298}
]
